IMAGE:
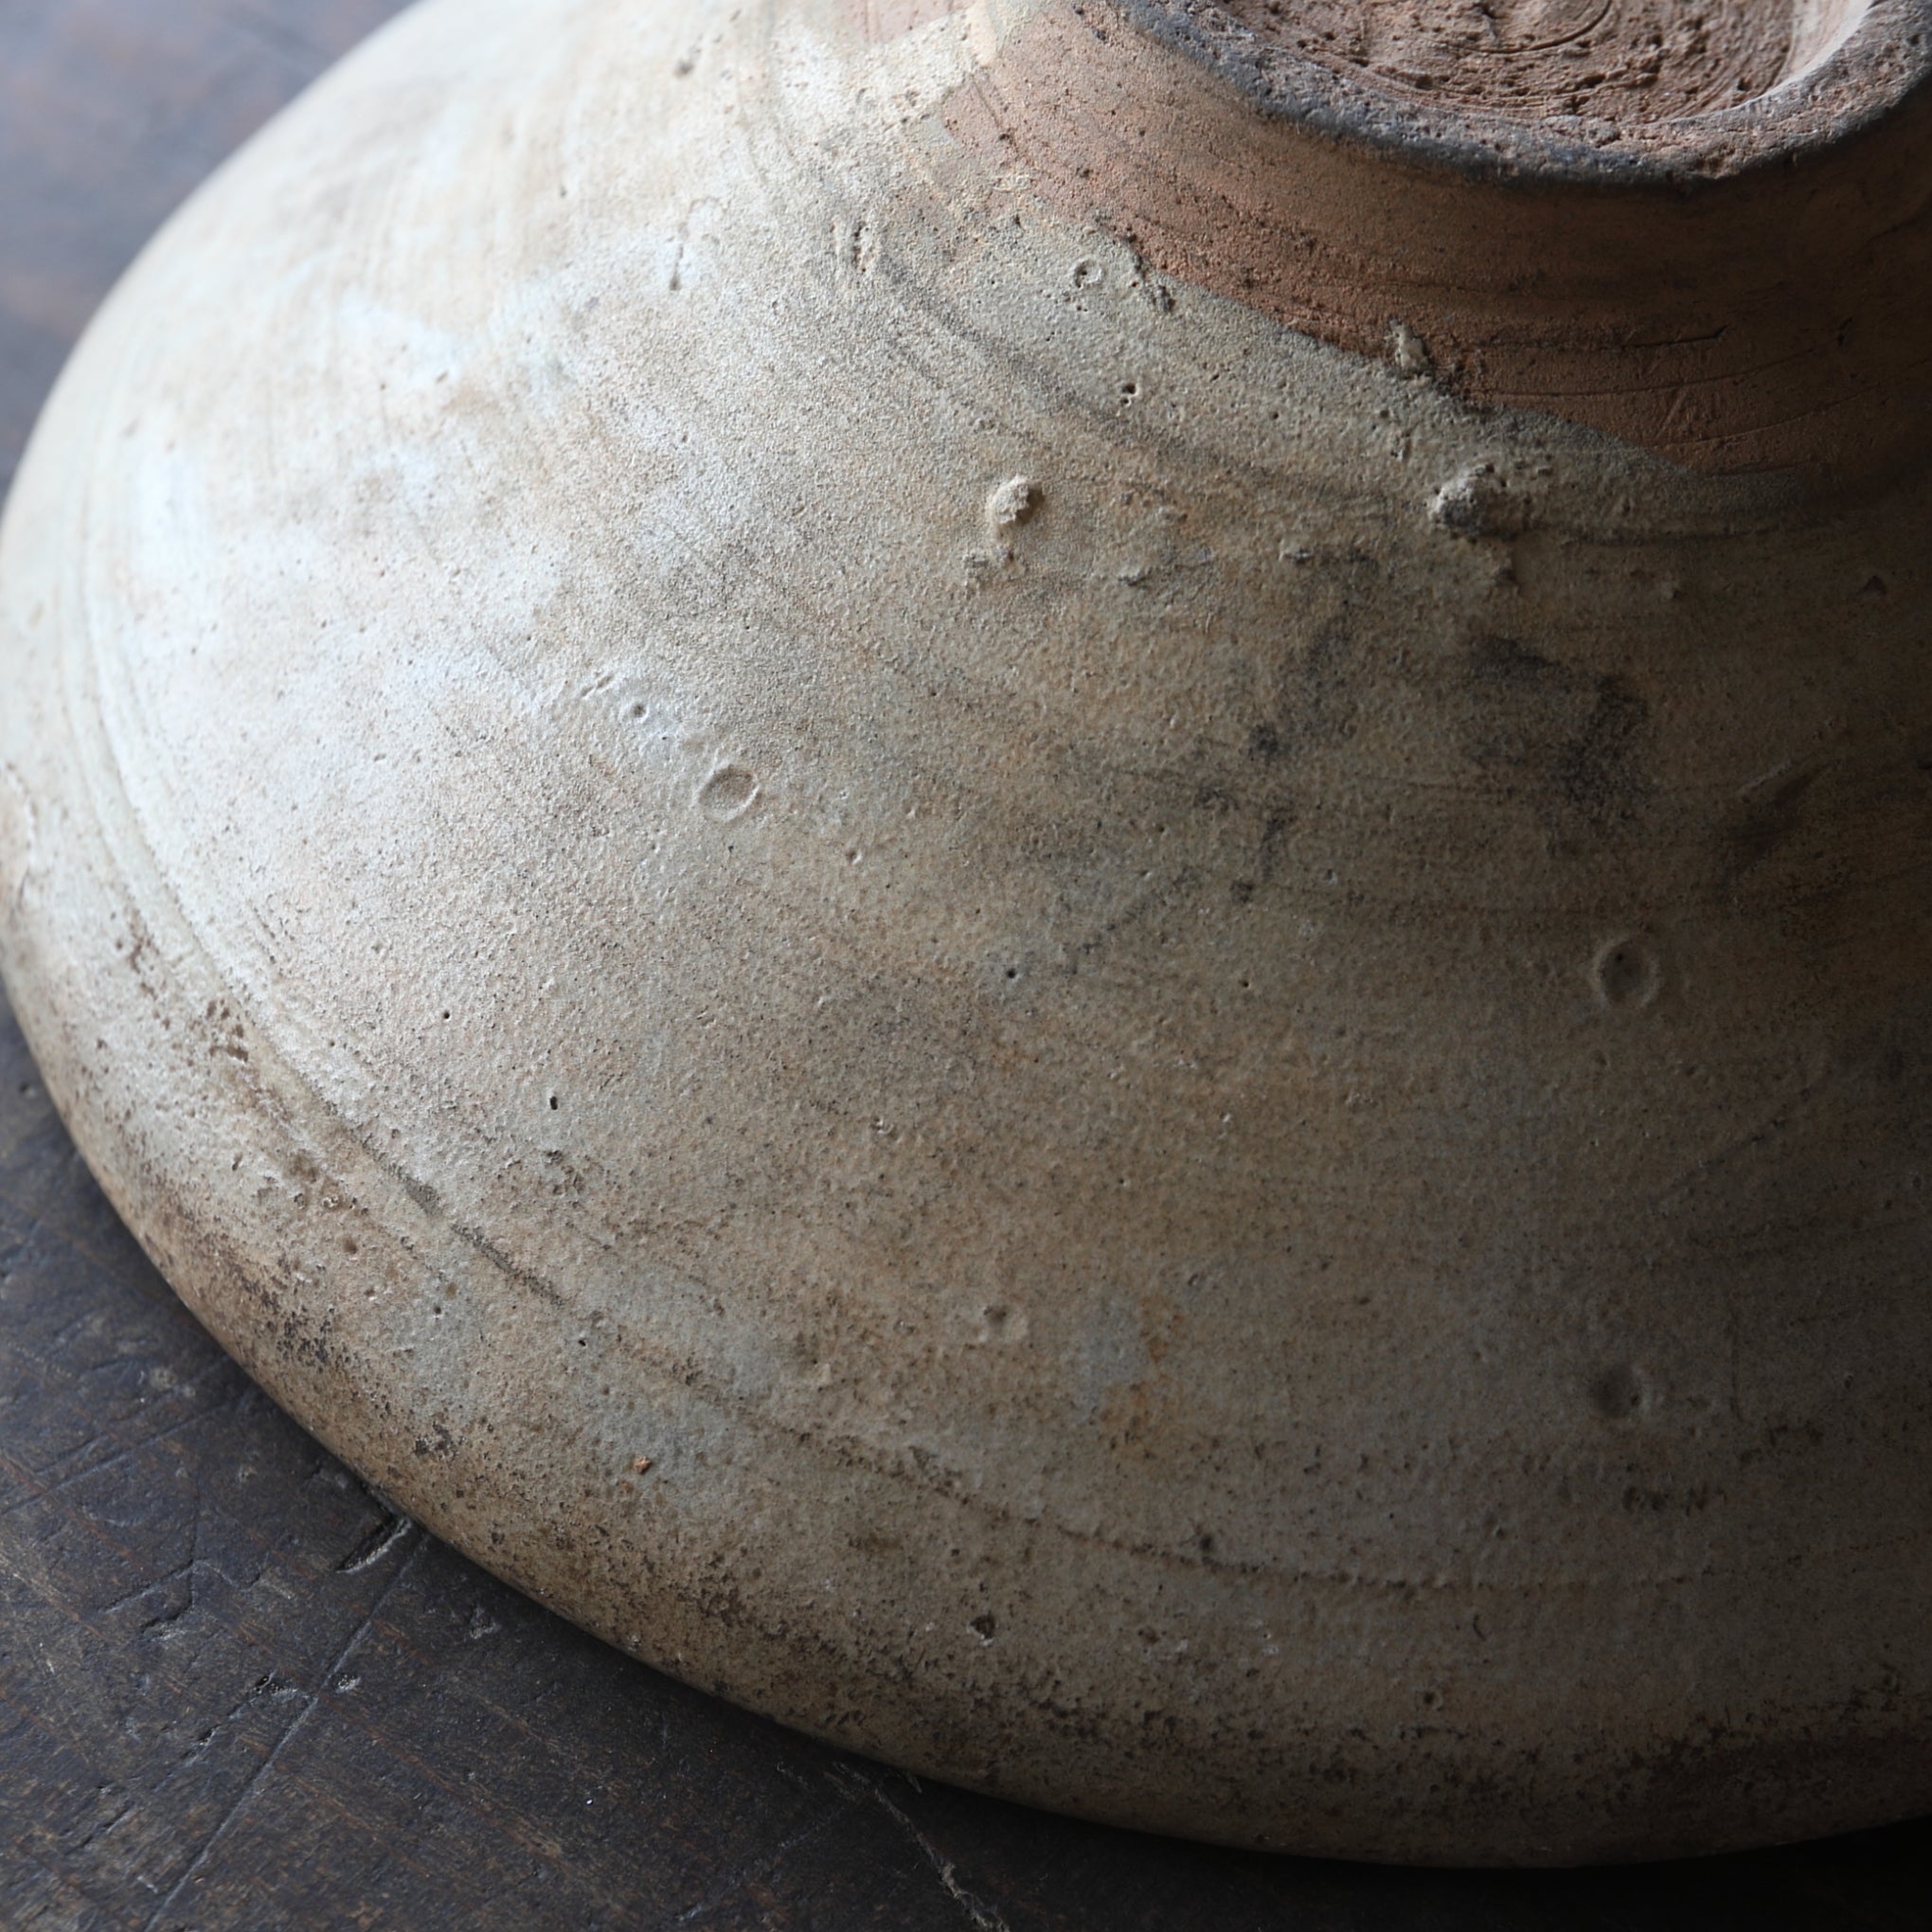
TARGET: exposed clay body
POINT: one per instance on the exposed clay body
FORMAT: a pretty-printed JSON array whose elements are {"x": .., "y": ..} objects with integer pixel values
[
  {"x": 1681, "y": 92},
  {"x": 1735, "y": 291},
  {"x": 1067, "y": 1035},
  {"x": 1623, "y": 61}
]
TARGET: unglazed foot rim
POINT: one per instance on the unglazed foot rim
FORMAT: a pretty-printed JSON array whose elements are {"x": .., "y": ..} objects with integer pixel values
[
  {"x": 1737, "y": 290},
  {"x": 1837, "y": 68}
]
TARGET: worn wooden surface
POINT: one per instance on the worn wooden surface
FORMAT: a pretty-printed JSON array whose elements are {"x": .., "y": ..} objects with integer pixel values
[{"x": 237, "y": 1693}]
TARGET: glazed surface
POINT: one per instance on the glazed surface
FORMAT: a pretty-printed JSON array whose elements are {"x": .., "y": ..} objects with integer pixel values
[{"x": 1078, "y": 1040}]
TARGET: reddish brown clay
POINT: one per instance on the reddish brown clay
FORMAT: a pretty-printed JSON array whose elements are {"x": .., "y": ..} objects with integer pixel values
[
  {"x": 1738, "y": 285},
  {"x": 1620, "y": 65}
]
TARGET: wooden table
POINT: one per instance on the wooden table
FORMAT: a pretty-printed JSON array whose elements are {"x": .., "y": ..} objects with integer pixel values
[{"x": 237, "y": 1693}]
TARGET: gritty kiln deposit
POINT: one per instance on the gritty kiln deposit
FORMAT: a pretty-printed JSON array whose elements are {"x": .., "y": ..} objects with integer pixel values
[{"x": 1052, "y": 880}]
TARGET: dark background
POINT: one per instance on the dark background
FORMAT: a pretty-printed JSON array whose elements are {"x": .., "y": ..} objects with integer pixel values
[{"x": 237, "y": 1693}]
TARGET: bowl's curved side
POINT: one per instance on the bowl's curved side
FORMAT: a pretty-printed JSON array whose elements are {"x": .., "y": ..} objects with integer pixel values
[{"x": 1083, "y": 1044}]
